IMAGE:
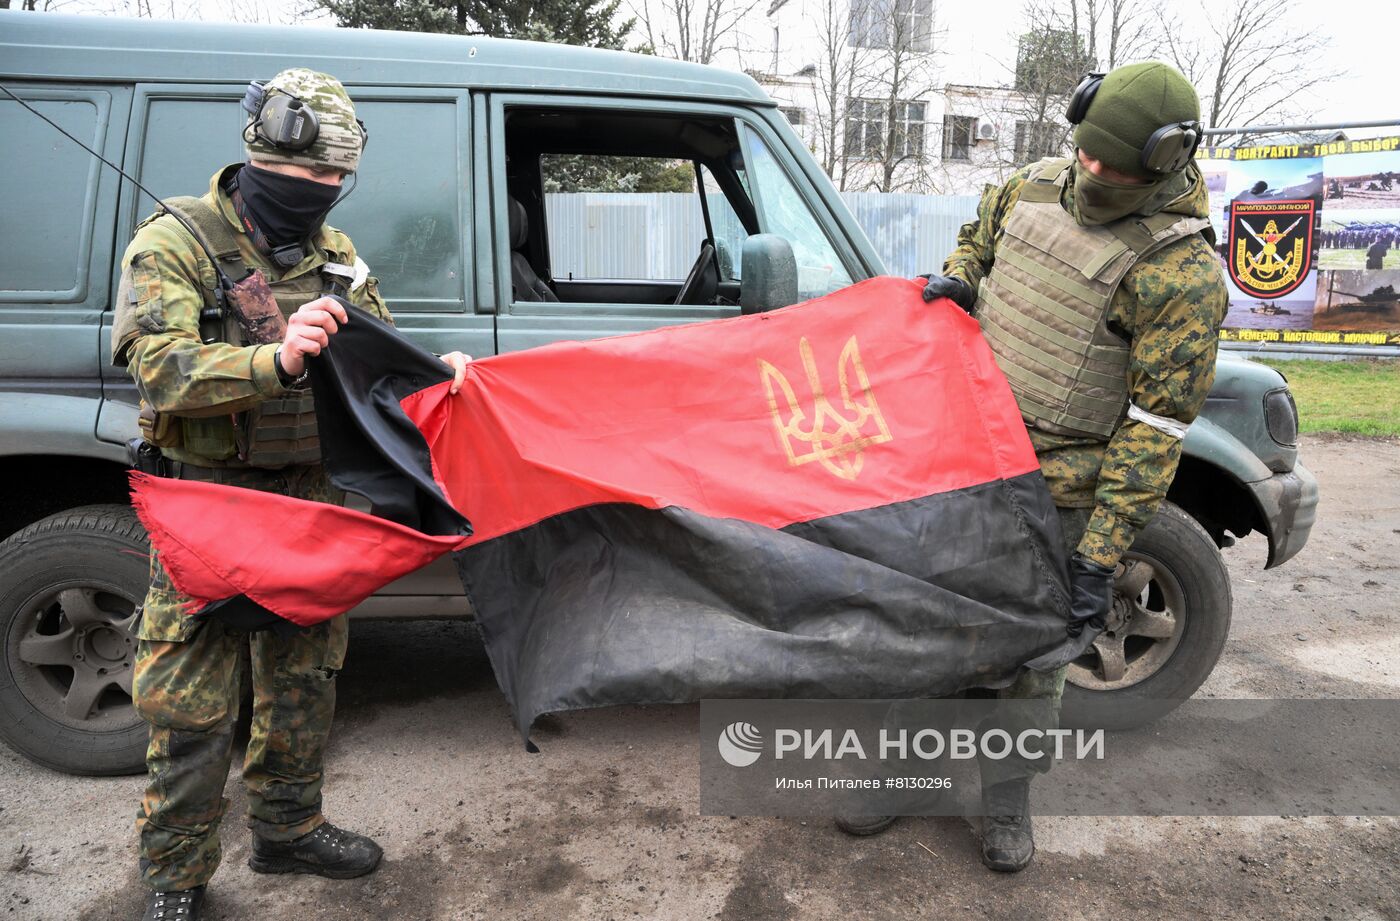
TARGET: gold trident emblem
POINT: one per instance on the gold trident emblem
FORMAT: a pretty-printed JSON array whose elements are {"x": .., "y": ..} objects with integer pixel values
[{"x": 833, "y": 438}]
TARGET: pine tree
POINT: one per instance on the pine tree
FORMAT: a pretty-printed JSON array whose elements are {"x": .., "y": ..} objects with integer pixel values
[{"x": 572, "y": 22}]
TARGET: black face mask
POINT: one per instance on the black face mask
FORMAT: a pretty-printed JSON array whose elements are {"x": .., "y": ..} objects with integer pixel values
[{"x": 287, "y": 209}]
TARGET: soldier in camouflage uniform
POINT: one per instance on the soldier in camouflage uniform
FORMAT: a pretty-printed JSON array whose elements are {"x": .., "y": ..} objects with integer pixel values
[
  {"x": 224, "y": 409},
  {"x": 1096, "y": 284}
]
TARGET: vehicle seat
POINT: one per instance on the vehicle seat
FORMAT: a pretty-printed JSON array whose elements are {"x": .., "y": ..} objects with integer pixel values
[{"x": 525, "y": 284}]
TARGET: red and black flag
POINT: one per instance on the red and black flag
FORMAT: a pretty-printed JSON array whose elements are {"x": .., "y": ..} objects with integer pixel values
[{"x": 837, "y": 499}]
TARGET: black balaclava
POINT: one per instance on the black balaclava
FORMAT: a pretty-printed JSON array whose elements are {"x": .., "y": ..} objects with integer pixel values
[{"x": 287, "y": 209}]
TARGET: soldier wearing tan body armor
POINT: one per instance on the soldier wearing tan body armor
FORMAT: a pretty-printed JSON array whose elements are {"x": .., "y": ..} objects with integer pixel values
[
  {"x": 1096, "y": 284},
  {"x": 221, "y": 373}
]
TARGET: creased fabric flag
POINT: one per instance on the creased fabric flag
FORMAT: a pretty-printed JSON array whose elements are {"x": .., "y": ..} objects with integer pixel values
[{"x": 836, "y": 499}]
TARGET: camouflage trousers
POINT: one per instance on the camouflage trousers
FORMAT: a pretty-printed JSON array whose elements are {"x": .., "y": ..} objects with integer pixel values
[{"x": 188, "y": 687}]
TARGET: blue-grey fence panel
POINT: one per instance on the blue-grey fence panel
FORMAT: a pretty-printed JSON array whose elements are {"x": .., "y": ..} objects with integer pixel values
[
  {"x": 657, "y": 234},
  {"x": 912, "y": 233}
]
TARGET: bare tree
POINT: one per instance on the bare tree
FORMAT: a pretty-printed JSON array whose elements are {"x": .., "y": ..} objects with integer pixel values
[
  {"x": 839, "y": 75},
  {"x": 1065, "y": 40},
  {"x": 886, "y": 126},
  {"x": 34, "y": 6},
  {"x": 1250, "y": 63},
  {"x": 1051, "y": 58},
  {"x": 1130, "y": 31},
  {"x": 692, "y": 30}
]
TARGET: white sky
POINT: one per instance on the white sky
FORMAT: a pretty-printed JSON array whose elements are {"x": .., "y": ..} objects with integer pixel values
[{"x": 980, "y": 38}]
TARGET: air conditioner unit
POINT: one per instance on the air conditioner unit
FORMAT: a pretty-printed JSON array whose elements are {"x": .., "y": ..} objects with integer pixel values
[{"x": 986, "y": 130}]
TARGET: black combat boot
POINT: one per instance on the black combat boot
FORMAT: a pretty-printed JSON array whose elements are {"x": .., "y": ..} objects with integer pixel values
[
  {"x": 1007, "y": 845},
  {"x": 863, "y": 826},
  {"x": 328, "y": 851},
  {"x": 174, "y": 906}
]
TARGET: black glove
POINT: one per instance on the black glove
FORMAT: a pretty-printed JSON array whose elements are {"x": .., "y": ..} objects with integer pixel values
[
  {"x": 955, "y": 289},
  {"x": 1090, "y": 594}
]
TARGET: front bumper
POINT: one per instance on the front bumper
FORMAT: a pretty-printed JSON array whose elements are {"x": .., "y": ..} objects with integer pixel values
[{"x": 1288, "y": 504}]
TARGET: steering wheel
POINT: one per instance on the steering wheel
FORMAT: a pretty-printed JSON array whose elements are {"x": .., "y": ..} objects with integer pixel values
[{"x": 705, "y": 265}]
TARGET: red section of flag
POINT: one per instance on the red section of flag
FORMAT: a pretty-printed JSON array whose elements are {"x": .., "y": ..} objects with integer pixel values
[
  {"x": 305, "y": 561},
  {"x": 864, "y": 398},
  {"x": 686, "y": 416}
]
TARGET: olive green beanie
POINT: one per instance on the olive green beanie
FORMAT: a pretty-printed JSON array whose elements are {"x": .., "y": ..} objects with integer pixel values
[
  {"x": 338, "y": 142},
  {"x": 1132, "y": 103}
]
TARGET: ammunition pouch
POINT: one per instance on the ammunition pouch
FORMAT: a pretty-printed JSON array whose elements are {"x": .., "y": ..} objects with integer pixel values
[{"x": 158, "y": 429}]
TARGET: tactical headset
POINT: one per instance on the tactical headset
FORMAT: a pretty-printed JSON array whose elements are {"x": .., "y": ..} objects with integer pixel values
[
  {"x": 283, "y": 120},
  {"x": 1170, "y": 148},
  {"x": 287, "y": 123}
]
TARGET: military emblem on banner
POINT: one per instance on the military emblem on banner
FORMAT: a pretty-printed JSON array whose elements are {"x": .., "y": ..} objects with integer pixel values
[{"x": 1271, "y": 245}]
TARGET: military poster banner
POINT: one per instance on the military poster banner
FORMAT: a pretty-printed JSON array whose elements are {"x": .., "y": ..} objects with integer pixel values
[{"x": 1309, "y": 238}]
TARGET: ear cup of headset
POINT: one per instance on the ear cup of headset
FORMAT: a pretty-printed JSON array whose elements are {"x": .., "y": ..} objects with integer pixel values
[
  {"x": 1081, "y": 97},
  {"x": 288, "y": 123},
  {"x": 1171, "y": 147},
  {"x": 280, "y": 119},
  {"x": 284, "y": 121}
]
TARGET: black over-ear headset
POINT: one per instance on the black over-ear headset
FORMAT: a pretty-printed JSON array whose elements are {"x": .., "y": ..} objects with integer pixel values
[
  {"x": 1170, "y": 148},
  {"x": 283, "y": 120}
]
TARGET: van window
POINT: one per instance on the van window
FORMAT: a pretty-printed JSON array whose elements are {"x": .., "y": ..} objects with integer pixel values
[
  {"x": 726, "y": 227},
  {"x": 407, "y": 215},
  {"x": 624, "y": 207},
  {"x": 785, "y": 212},
  {"x": 620, "y": 217},
  {"x": 50, "y": 181},
  {"x": 404, "y": 213},
  {"x": 167, "y": 166}
]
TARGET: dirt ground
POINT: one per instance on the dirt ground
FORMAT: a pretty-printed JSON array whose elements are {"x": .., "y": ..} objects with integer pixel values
[{"x": 604, "y": 823}]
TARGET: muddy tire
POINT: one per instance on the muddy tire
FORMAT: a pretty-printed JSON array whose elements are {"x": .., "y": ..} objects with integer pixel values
[
  {"x": 1170, "y": 619},
  {"x": 69, "y": 587}
]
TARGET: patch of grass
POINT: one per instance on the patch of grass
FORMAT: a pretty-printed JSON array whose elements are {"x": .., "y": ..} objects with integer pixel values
[{"x": 1358, "y": 397}]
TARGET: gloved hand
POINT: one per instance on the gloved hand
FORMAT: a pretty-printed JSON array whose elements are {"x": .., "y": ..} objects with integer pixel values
[
  {"x": 955, "y": 289},
  {"x": 1090, "y": 594}
]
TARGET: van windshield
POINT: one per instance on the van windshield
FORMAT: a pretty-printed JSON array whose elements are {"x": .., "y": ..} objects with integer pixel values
[{"x": 783, "y": 211}]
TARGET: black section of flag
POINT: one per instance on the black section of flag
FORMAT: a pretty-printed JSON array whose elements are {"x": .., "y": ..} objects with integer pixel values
[{"x": 617, "y": 604}]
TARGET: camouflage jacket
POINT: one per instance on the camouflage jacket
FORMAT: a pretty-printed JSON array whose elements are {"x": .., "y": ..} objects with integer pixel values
[
  {"x": 175, "y": 372},
  {"x": 1171, "y": 303}
]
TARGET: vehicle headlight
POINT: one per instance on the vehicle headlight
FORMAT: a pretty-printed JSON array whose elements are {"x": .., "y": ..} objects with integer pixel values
[{"x": 1281, "y": 416}]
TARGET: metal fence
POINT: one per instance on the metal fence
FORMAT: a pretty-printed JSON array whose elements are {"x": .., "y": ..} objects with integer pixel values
[{"x": 657, "y": 234}]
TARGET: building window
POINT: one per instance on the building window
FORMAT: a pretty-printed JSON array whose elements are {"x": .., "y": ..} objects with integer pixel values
[
  {"x": 867, "y": 129},
  {"x": 892, "y": 24},
  {"x": 1036, "y": 139},
  {"x": 796, "y": 115},
  {"x": 958, "y": 136}
]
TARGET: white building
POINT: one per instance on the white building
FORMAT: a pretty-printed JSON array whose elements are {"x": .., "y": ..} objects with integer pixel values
[{"x": 842, "y": 68}]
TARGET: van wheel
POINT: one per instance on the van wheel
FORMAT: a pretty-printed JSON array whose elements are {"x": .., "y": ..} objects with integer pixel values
[
  {"x": 69, "y": 587},
  {"x": 1167, "y": 628}
]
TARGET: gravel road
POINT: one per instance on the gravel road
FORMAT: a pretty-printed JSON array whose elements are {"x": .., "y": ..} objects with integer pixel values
[{"x": 605, "y": 825}]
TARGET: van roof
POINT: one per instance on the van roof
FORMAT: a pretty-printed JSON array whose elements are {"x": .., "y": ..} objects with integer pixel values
[{"x": 91, "y": 48}]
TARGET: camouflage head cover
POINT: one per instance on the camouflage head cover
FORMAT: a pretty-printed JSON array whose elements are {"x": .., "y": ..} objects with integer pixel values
[{"x": 340, "y": 140}]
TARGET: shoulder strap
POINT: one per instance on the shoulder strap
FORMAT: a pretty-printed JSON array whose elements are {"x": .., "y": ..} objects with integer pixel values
[
  {"x": 1147, "y": 234},
  {"x": 212, "y": 232},
  {"x": 1046, "y": 180}
]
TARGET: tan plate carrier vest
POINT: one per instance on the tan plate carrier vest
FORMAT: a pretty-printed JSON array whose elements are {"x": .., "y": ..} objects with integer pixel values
[
  {"x": 278, "y": 432},
  {"x": 1044, "y": 306}
]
